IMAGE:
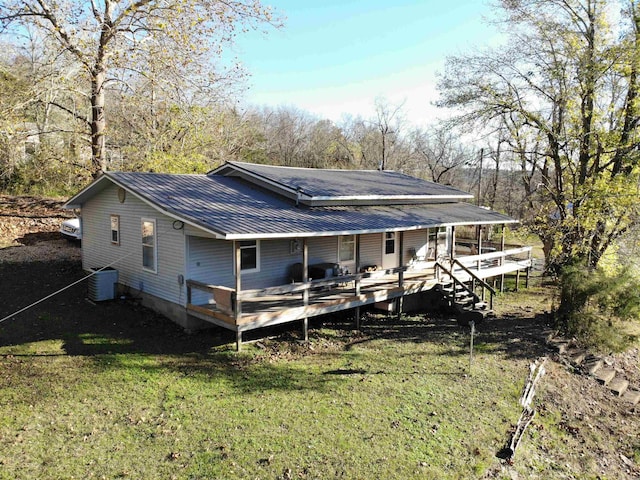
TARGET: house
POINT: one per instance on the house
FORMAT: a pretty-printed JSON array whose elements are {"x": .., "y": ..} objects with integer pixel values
[{"x": 247, "y": 246}]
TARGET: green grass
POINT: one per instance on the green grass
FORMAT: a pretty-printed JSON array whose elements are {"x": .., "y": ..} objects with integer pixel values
[{"x": 350, "y": 406}]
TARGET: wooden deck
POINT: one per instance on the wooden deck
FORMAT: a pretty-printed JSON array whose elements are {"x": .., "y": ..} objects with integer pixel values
[
  {"x": 251, "y": 309},
  {"x": 262, "y": 308}
]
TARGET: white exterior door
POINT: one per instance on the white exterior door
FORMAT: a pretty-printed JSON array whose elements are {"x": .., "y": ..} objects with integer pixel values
[{"x": 389, "y": 250}]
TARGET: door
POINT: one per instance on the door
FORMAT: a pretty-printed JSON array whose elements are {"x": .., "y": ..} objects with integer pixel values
[{"x": 390, "y": 250}]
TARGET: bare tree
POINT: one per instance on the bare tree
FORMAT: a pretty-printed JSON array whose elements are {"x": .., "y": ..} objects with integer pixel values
[
  {"x": 565, "y": 89},
  {"x": 116, "y": 41},
  {"x": 439, "y": 153},
  {"x": 388, "y": 122}
]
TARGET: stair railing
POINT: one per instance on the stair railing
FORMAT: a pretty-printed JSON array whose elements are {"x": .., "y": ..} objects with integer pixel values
[
  {"x": 477, "y": 279},
  {"x": 456, "y": 280}
]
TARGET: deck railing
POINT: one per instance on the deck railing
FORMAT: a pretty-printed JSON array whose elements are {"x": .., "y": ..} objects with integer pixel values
[
  {"x": 492, "y": 264},
  {"x": 462, "y": 284},
  {"x": 229, "y": 302}
]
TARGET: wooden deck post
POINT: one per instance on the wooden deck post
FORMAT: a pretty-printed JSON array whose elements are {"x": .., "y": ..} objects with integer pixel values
[
  {"x": 482, "y": 296},
  {"x": 479, "y": 247},
  {"x": 478, "y": 252},
  {"x": 517, "y": 279},
  {"x": 305, "y": 292},
  {"x": 502, "y": 259},
  {"x": 435, "y": 246},
  {"x": 400, "y": 272},
  {"x": 452, "y": 247},
  {"x": 357, "y": 281},
  {"x": 237, "y": 303}
]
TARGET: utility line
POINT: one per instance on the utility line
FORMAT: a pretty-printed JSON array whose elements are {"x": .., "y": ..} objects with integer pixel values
[
  {"x": 74, "y": 283},
  {"x": 65, "y": 288}
]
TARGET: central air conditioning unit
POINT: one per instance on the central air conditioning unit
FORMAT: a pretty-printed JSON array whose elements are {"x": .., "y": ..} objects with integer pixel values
[{"x": 102, "y": 284}]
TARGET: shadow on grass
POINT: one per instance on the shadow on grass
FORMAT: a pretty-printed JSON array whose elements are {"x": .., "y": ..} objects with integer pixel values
[
  {"x": 121, "y": 334},
  {"x": 516, "y": 337},
  {"x": 86, "y": 328}
]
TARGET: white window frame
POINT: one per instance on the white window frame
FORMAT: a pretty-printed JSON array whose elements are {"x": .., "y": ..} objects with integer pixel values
[
  {"x": 154, "y": 246},
  {"x": 246, "y": 247},
  {"x": 390, "y": 237},
  {"x": 343, "y": 240},
  {"x": 115, "y": 218}
]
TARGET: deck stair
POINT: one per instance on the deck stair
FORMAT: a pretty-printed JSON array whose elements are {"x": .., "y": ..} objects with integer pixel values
[
  {"x": 457, "y": 287},
  {"x": 465, "y": 304}
]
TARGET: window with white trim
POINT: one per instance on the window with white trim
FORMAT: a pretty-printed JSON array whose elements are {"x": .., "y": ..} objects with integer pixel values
[
  {"x": 115, "y": 229},
  {"x": 347, "y": 248},
  {"x": 389, "y": 243},
  {"x": 149, "y": 245},
  {"x": 249, "y": 256}
]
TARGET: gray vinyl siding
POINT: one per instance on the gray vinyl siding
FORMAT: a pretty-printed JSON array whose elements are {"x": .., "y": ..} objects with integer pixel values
[
  {"x": 98, "y": 250},
  {"x": 275, "y": 263},
  {"x": 211, "y": 261},
  {"x": 323, "y": 249},
  {"x": 416, "y": 239},
  {"x": 371, "y": 249}
]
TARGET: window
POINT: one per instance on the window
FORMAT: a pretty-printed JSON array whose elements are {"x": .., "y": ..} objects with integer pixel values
[
  {"x": 347, "y": 248},
  {"x": 389, "y": 243},
  {"x": 149, "y": 257},
  {"x": 115, "y": 229},
  {"x": 249, "y": 256}
]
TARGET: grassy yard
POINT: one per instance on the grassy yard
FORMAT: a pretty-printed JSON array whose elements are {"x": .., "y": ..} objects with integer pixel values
[
  {"x": 397, "y": 400},
  {"x": 347, "y": 406}
]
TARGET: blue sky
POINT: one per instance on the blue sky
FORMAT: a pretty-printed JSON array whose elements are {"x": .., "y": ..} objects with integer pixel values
[{"x": 334, "y": 57}]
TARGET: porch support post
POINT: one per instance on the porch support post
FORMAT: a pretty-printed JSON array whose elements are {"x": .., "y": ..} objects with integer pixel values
[
  {"x": 435, "y": 251},
  {"x": 305, "y": 280},
  {"x": 237, "y": 303},
  {"x": 482, "y": 297},
  {"x": 502, "y": 258},
  {"x": 479, "y": 247},
  {"x": 452, "y": 247},
  {"x": 435, "y": 247},
  {"x": 400, "y": 272},
  {"x": 357, "y": 281}
]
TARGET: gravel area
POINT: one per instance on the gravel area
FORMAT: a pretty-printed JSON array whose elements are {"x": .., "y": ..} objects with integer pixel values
[
  {"x": 43, "y": 251},
  {"x": 29, "y": 230}
]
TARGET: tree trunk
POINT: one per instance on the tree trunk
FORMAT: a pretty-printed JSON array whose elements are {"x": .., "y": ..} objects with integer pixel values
[{"x": 98, "y": 123}]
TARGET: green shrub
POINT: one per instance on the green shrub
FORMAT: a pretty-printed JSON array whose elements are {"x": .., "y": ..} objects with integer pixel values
[{"x": 599, "y": 306}]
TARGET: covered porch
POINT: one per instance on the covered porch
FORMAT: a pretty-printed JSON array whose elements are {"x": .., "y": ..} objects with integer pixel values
[{"x": 243, "y": 310}]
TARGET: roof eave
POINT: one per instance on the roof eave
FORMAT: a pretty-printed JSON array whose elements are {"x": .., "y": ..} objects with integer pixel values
[{"x": 273, "y": 236}]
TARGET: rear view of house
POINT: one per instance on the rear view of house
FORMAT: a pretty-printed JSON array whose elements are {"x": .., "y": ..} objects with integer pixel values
[{"x": 248, "y": 246}]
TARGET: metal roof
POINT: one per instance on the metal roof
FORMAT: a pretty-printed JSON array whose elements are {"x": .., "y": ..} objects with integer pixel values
[
  {"x": 315, "y": 186},
  {"x": 231, "y": 208}
]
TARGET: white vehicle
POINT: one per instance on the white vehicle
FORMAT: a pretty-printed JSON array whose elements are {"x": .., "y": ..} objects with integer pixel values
[{"x": 71, "y": 229}]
